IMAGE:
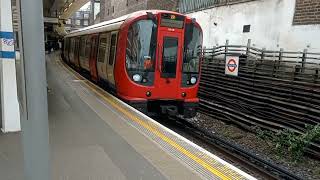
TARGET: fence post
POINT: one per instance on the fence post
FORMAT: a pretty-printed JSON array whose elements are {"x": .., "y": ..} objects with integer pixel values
[
  {"x": 212, "y": 53},
  {"x": 263, "y": 53},
  {"x": 316, "y": 75},
  {"x": 304, "y": 59},
  {"x": 280, "y": 54},
  {"x": 277, "y": 65},
  {"x": 280, "y": 57},
  {"x": 248, "y": 48},
  {"x": 226, "y": 49}
]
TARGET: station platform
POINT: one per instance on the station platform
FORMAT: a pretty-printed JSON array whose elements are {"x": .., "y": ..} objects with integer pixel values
[{"x": 95, "y": 136}]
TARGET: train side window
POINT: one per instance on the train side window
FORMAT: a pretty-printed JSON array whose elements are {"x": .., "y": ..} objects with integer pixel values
[
  {"x": 113, "y": 48},
  {"x": 88, "y": 47},
  {"x": 102, "y": 47},
  {"x": 83, "y": 46}
]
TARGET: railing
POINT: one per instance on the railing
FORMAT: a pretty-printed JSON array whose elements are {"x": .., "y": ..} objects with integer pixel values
[
  {"x": 273, "y": 90},
  {"x": 192, "y": 5},
  {"x": 196, "y": 5}
]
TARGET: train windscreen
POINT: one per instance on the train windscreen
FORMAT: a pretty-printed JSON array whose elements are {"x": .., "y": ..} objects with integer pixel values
[
  {"x": 141, "y": 51},
  {"x": 192, "y": 48},
  {"x": 191, "y": 55}
]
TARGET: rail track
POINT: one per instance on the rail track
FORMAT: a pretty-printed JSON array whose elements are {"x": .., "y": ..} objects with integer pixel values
[{"x": 234, "y": 153}]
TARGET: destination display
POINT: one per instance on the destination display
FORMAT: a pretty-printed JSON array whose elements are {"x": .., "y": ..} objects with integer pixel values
[{"x": 171, "y": 20}]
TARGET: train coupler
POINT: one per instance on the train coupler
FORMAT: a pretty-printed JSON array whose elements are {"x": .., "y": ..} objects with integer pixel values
[{"x": 169, "y": 110}]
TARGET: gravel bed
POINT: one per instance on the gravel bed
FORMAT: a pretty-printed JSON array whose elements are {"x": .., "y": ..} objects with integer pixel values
[{"x": 307, "y": 168}]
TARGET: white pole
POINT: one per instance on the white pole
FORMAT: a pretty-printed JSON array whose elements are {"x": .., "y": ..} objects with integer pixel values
[{"x": 9, "y": 98}]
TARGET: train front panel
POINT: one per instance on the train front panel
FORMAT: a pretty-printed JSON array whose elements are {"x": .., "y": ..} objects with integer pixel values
[{"x": 159, "y": 70}]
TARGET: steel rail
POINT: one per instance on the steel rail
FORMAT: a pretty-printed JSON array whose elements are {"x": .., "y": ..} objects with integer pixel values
[{"x": 234, "y": 152}]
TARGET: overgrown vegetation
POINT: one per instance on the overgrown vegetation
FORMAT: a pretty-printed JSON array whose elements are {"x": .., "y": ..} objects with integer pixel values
[{"x": 288, "y": 142}]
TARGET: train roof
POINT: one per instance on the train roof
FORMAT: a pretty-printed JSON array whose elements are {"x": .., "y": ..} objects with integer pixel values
[{"x": 113, "y": 24}]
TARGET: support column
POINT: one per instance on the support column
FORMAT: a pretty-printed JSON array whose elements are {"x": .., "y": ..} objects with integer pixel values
[
  {"x": 35, "y": 130},
  {"x": 9, "y": 98}
]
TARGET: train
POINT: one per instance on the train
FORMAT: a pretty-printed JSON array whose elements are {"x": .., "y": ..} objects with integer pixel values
[{"x": 150, "y": 59}]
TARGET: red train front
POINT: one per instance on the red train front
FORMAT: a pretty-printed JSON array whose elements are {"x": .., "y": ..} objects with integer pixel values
[{"x": 156, "y": 56}]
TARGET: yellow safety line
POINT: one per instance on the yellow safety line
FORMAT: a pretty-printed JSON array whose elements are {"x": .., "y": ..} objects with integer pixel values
[{"x": 156, "y": 132}]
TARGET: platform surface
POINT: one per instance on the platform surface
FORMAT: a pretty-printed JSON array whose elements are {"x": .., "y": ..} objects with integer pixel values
[{"x": 94, "y": 136}]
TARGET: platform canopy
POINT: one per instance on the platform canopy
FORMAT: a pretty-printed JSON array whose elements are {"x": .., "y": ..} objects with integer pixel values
[{"x": 63, "y": 9}]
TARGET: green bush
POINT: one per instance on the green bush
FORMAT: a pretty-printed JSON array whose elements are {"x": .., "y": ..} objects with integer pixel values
[{"x": 288, "y": 142}]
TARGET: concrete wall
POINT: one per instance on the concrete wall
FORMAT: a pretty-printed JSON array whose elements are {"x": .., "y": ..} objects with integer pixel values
[{"x": 271, "y": 26}]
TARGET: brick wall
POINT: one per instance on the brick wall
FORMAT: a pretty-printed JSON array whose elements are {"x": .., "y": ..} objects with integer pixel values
[
  {"x": 115, "y": 8},
  {"x": 307, "y": 12}
]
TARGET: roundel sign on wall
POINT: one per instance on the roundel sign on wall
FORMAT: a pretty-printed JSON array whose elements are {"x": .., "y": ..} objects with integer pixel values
[{"x": 232, "y": 65}]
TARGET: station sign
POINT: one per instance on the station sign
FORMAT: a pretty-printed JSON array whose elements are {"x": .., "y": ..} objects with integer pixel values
[{"x": 232, "y": 65}]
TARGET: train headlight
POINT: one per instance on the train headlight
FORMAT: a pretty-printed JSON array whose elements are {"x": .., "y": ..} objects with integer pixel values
[
  {"x": 193, "y": 80},
  {"x": 137, "y": 77}
]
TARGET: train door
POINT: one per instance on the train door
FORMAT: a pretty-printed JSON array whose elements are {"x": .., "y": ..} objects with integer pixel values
[
  {"x": 93, "y": 57},
  {"x": 85, "y": 57},
  {"x": 66, "y": 49},
  {"x": 168, "y": 63},
  {"x": 103, "y": 52},
  {"x": 71, "y": 51},
  {"x": 112, "y": 57},
  {"x": 76, "y": 52}
]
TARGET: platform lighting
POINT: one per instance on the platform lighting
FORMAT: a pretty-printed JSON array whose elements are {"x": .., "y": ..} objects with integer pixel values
[
  {"x": 70, "y": 4},
  {"x": 65, "y": 9}
]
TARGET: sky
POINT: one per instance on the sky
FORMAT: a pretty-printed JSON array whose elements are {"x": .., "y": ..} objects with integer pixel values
[{"x": 84, "y": 7}]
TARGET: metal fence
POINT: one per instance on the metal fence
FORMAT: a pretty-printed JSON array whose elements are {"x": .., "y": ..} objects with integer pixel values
[
  {"x": 195, "y": 5},
  {"x": 192, "y": 5},
  {"x": 273, "y": 90}
]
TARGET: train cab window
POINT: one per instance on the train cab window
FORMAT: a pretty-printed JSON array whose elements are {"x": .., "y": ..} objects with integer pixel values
[
  {"x": 102, "y": 47},
  {"x": 192, "y": 49},
  {"x": 141, "y": 51},
  {"x": 83, "y": 46},
  {"x": 191, "y": 55},
  {"x": 169, "y": 57},
  {"x": 113, "y": 48}
]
